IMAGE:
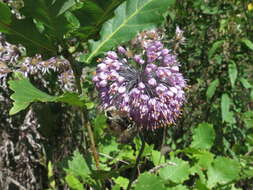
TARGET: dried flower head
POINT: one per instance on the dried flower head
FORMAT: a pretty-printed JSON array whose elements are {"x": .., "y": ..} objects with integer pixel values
[{"x": 147, "y": 86}]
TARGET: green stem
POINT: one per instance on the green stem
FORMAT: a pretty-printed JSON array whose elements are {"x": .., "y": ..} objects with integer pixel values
[{"x": 137, "y": 161}]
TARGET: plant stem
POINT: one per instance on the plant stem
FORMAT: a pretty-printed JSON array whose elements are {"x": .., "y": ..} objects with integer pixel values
[
  {"x": 93, "y": 145},
  {"x": 137, "y": 161}
]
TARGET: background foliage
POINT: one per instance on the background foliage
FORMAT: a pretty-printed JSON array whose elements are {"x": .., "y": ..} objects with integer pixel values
[{"x": 52, "y": 145}]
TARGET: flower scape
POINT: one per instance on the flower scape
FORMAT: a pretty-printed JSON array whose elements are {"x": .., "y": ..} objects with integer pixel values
[{"x": 146, "y": 85}]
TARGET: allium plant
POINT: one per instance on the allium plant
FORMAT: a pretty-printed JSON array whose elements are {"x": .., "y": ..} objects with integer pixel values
[{"x": 145, "y": 85}]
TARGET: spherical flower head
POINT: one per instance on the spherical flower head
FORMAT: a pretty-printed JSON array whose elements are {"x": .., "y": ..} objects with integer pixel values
[{"x": 148, "y": 86}]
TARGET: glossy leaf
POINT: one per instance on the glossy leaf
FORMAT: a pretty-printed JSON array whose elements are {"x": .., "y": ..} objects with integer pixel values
[
  {"x": 25, "y": 94},
  {"x": 50, "y": 13},
  {"x": 91, "y": 15},
  {"x": 24, "y": 31},
  {"x": 203, "y": 136},
  {"x": 130, "y": 17},
  {"x": 232, "y": 71},
  {"x": 212, "y": 88}
]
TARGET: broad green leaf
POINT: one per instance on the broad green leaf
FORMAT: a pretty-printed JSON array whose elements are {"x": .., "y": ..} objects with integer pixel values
[
  {"x": 130, "y": 17},
  {"x": 223, "y": 170},
  {"x": 5, "y": 13},
  {"x": 232, "y": 71},
  {"x": 176, "y": 173},
  {"x": 204, "y": 158},
  {"x": 203, "y": 136},
  {"x": 212, "y": 88},
  {"x": 91, "y": 15},
  {"x": 225, "y": 106},
  {"x": 50, "y": 13},
  {"x": 245, "y": 83},
  {"x": 78, "y": 167},
  {"x": 248, "y": 43},
  {"x": 73, "y": 182},
  {"x": 149, "y": 181},
  {"x": 24, "y": 31},
  {"x": 25, "y": 94},
  {"x": 216, "y": 45}
]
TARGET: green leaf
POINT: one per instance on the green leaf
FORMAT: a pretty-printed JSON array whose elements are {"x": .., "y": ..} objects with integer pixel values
[
  {"x": 203, "y": 136},
  {"x": 78, "y": 166},
  {"x": 248, "y": 43},
  {"x": 227, "y": 116},
  {"x": 50, "y": 13},
  {"x": 232, "y": 71},
  {"x": 67, "y": 4},
  {"x": 25, "y": 94},
  {"x": 216, "y": 45},
  {"x": 5, "y": 13},
  {"x": 223, "y": 170},
  {"x": 247, "y": 118},
  {"x": 204, "y": 158},
  {"x": 92, "y": 15},
  {"x": 73, "y": 182},
  {"x": 179, "y": 187},
  {"x": 149, "y": 181},
  {"x": 122, "y": 182},
  {"x": 212, "y": 88},
  {"x": 245, "y": 83},
  {"x": 176, "y": 173},
  {"x": 157, "y": 157},
  {"x": 24, "y": 31},
  {"x": 130, "y": 17}
]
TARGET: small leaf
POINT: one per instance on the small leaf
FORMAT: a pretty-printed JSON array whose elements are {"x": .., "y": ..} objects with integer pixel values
[
  {"x": 122, "y": 182},
  {"x": 245, "y": 83},
  {"x": 212, "y": 88},
  {"x": 149, "y": 181},
  {"x": 248, "y": 43},
  {"x": 73, "y": 182},
  {"x": 216, "y": 45},
  {"x": 157, "y": 157},
  {"x": 247, "y": 118},
  {"x": 223, "y": 170},
  {"x": 203, "y": 136},
  {"x": 232, "y": 71},
  {"x": 65, "y": 6},
  {"x": 78, "y": 166},
  {"x": 225, "y": 106},
  {"x": 25, "y": 94},
  {"x": 176, "y": 173},
  {"x": 130, "y": 17}
]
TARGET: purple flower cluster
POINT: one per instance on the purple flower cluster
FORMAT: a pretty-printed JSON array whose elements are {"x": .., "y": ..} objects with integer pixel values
[{"x": 148, "y": 86}]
